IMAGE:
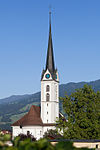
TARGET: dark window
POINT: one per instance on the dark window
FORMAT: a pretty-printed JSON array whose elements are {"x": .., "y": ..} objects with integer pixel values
[
  {"x": 47, "y": 88},
  {"x": 47, "y": 112},
  {"x": 28, "y": 132},
  {"x": 47, "y": 97},
  {"x": 96, "y": 145},
  {"x": 47, "y": 104},
  {"x": 47, "y": 121}
]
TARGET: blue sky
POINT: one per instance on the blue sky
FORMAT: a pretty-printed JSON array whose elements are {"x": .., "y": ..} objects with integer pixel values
[{"x": 24, "y": 28}]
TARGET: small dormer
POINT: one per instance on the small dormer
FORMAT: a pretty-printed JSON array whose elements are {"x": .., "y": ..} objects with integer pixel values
[
  {"x": 47, "y": 75},
  {"x": 57, "y": 76}
]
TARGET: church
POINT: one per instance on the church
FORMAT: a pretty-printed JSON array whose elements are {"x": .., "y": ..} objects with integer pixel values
[{"x": 41, "y": 119}]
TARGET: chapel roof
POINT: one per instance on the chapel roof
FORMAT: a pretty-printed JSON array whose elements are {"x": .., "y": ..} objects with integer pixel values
[{"x": 31, "y": 118}]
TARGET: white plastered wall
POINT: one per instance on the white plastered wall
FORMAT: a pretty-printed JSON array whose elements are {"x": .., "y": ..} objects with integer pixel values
[
  {"x": 50, "y": 109},
  {"x": 36, "y": 131}
]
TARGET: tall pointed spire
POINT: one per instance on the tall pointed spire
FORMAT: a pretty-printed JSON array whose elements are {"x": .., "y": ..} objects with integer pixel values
[{"x": 50, "y": 58}]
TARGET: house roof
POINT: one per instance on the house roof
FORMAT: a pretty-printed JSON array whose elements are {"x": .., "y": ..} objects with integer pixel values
[{"x": 31, "y": 118}]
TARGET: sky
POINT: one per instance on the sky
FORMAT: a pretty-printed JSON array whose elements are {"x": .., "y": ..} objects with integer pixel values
[{"x": 24, "y": 28}]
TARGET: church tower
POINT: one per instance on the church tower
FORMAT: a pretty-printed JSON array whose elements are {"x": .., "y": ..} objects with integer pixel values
[
  {"x": 49, "y": 86},
  {"x": 39, "y": 120}
]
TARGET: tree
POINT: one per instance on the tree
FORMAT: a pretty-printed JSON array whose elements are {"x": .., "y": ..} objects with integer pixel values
[
  {"x": 52, "y": 134},
  {"x": 27, "y": 144},
  {"x": 83, "y": 112},
  {"x": 28, "y": 136}
]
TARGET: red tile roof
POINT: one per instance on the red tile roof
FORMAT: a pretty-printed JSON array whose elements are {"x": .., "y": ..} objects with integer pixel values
[{"x": 31, "y": 118}]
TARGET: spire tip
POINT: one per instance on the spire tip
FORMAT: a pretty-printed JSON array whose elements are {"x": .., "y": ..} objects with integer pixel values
[{"x": 50, "y": 14}]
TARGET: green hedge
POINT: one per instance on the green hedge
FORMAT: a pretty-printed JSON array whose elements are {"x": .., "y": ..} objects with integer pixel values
[{"x": 27, "y": 144}]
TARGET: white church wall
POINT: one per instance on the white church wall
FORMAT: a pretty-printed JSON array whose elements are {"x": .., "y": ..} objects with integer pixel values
[
  {"x": 36, "y": 131},
  {"x": 16, "y": 130},
  {"x": 46, "y": 113},
  {"x": 51, "y": 112}
]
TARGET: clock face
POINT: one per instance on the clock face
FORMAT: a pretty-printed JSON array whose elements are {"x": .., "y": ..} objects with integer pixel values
[
  {"x": 56, "y": 77},
  {"x": 47, "y": 76}
]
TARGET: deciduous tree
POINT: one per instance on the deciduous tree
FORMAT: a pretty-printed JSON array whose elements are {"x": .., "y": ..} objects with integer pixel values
[{"x": 83, "y": 112}]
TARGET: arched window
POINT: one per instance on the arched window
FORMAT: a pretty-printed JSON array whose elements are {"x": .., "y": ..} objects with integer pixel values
[
  {"x": 47, "y": 88},
  {"x": 47, "y": 97}
]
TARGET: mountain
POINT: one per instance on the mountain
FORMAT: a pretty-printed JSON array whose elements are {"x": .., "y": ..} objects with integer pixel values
[
  {"x": 13, "y": 98},
  {"x": 14, "y": 107}
]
